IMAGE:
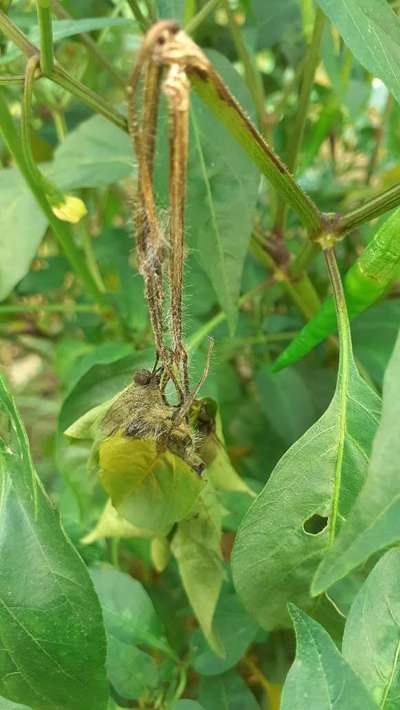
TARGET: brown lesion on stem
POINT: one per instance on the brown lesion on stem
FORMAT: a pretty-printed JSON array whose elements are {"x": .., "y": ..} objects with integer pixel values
[{"x": 159, "y": 64}]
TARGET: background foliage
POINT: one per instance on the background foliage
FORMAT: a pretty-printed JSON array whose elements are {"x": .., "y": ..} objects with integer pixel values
[{"x": 282, "y": 622}]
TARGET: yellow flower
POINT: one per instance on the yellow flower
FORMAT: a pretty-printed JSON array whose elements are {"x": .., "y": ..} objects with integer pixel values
[{"x": 72, "y": 209}]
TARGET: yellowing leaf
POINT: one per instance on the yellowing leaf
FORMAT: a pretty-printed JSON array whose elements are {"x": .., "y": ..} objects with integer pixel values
[
  {"x": 125, "y": 462},
  {"x": 111, "y": 524},
  {"x": 197, "y": 548},
  {"x": 160, "y": 553},
  {"x": 149, "y": 489}
]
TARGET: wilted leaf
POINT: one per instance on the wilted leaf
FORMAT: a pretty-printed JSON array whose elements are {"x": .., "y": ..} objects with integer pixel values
[
  {"x": 149, "y": 489},
  {"x": 111, "y": 524},
  {"x": 196, "y": 546}
]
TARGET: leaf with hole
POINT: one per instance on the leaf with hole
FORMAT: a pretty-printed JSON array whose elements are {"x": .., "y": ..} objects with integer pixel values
[
  {"x": 315, "y": 483},
  {"x": 374, "y": 520}
]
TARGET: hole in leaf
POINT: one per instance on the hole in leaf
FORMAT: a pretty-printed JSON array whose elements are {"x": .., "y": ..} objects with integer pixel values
[{"x": 315, "y": 524}]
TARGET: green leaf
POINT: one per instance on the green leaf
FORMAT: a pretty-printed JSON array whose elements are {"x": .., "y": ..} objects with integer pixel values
[
  {"x": 235, "y": 629},
  {"x": 364, "y": 283},
  {"x": 22, "y": 226},
  {"x": 170, "y": 9},
  {"x": 222, "y": 192},
  {"x": 113, "y": 249},
  {"x": 371, "y": 30},
  {"x": 374, "y": 520},
  {"x": 374, "y": 336},
  {"x": 132, "y": 672},
  {"x": 95, "y": 154},
  {"x": 197, "y": 548},
  {"x": 372, "y": 632},
  {"x": 51, "y": 628},
  {"x": 287, "y": 402},
  {"x": 186, "y": 705},
  {"x": 278, "y": 547},
  {"x": 220, "y": 471},
  {"x": 130, "y": 620},
  {"x": 97, "y": 377},
  {"x": 227, "y": 692},
  {"x": 320, "y": 678},
  {"x": 150, "y": 490},
  {"x": 128, "y": 611},
  {"x": 7, "y": 705},
  {"x": 275, "y": 21},
  {"x": 51, "y": 276}
]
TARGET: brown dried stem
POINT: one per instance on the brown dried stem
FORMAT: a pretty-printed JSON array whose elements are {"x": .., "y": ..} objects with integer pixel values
[
  {"x": 159, "y": 48},
  {"x": 176, "y": 88}
]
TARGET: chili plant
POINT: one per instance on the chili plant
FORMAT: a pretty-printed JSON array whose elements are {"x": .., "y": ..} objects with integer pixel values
[{"x": 183, "y": 184}]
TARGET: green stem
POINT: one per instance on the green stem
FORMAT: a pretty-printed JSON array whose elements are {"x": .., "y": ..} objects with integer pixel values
[
  {"x": 212, "y": 90},
  {"x": 115, "y": 541},
  {"x": 252, "y": 76},
  {"x": 61, "y": 230},
  {"x": 302, "y": 261},
  {"x": 46, "y": 36},
  {"x": 12, "y": 79},
  {"x": 215, "y": 321},
  {"x": 301, "y": 291},
  {"x": 151, "y": 10},
  {"x": 48, "y": 308},
  {"x": 297, "y": 133},
  {"x": 343, "y": 373},
  {"x": 91, "y": 45},
  {"x": 90, "y": 256},
  {"x": 61, "y": 77},
  {"x": 379, "y": 135},
  {"x": 373, "y": 208},
  {"x": 96, "y": 102},
  {"x": 17, "y": 36},
  {"x": 142, "y": 21},
  {"x": 32, "y": 66},
  {"x": 197, "y": 19},
  {"x": 59, "y": 123}
]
